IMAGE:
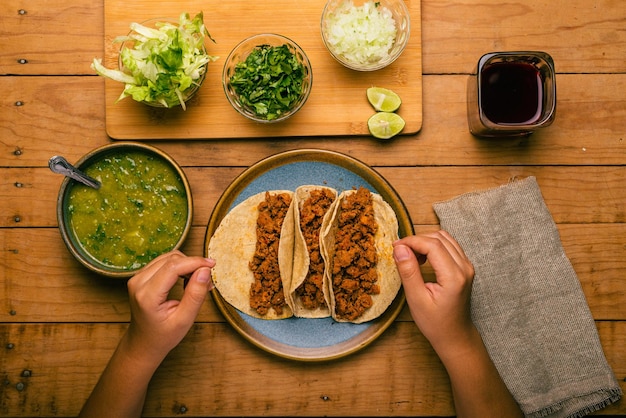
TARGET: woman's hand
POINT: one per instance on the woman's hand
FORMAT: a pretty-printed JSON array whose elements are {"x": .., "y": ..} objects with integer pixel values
[
  {"x": 157, "y": 323},
  {"x": 440, "y": 309}
]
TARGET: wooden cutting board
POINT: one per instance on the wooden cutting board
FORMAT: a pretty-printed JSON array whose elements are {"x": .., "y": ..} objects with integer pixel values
[{"x": 337, "y": 105}]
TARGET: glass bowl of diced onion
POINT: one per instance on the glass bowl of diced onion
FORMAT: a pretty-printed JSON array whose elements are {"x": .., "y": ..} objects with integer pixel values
[{"x": 365, "y": 35}]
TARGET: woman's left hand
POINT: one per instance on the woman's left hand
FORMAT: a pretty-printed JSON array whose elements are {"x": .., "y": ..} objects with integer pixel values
[{"x": 158, "y": 324}]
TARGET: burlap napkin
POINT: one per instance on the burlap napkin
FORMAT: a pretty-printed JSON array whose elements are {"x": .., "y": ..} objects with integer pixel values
[{"x": 527, "y": 302}]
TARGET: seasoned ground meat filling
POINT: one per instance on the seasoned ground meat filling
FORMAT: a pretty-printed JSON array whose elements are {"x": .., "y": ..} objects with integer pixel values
[
  {"x": 311, "y": 214},
  {"x": 267, "y": 290},
  {"x": 354, "y": 266}
]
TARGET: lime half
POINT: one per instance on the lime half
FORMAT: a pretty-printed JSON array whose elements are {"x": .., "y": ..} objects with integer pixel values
[
  {"x": 383, "y": 100},
  {"x": 385, "y": 125}
]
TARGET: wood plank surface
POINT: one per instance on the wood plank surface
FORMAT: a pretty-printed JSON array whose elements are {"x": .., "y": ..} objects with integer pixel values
[
  {"x": 337, "y": 104},
  {"x": 60, "y": 323},
  {"x": 65, "y": 115},
  {"x": 50, "y": 37},
  {"x": 582, "y": 36},
  {"x": 456, "y": 34},
  {"x": 29, "y": 195},
  {"x": 219, "y": 374},
  {"x": 57, "y": 385},
  {"x": 53, "y": 287}
]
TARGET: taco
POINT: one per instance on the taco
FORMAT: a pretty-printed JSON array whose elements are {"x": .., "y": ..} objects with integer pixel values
[
  {"x": 251, "y": 274},
  {"x": 359, "y": 278},
  {"x": 307, "y": 295},
  {"x": 361, "y": 275}
]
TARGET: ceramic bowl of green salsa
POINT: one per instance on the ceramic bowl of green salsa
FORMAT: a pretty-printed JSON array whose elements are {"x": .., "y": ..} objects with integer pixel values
[{"x": 142, "y": 210}]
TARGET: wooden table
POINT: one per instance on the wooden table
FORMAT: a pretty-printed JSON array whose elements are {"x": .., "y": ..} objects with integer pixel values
[{"x": 59, "y": 324}]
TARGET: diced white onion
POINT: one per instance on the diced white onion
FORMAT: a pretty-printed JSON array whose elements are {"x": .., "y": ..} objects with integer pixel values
[{"x": 361, "y": 34}]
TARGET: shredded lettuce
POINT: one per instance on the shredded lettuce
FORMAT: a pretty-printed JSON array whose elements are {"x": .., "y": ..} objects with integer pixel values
[
  {"x": 164, "y": 63},
  {"x": 363, "y": 34}
]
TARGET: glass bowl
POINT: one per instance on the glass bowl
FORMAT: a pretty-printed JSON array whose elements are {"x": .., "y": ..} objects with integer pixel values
[
  {"x": 237, "y": 89},
  {"x": 143, "y": 209},
  {"x": 349, "y": 27},
  {"x": 198, "y": 74}
]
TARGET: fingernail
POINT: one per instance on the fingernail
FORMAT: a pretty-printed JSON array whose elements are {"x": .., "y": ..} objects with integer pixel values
[
  {"x": 211, "y": 261},
  {"x": 401, "y": 253},
  {"x": 204, "y": 275}
]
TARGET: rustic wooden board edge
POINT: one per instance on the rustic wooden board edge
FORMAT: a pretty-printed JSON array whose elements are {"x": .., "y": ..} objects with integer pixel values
[{"x": 128, "y": 120}]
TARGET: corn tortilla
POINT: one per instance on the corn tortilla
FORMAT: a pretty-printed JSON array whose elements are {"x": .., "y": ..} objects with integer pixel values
[
  {"x": 233, "y": 245},
  {"x": 302, "y": 260},
  {"x": 234, "y": 241},
  {"x": 388, "y": 276}
]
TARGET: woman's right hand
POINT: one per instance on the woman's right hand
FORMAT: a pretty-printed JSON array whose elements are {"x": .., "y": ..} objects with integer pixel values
[{"x": 440, "y": 309}]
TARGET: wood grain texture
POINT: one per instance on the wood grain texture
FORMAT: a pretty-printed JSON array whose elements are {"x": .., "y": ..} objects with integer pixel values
[
  {"x": 582, "y": 36},
  {"x": 65, "y": 115},
  {"x": 456, "y": 34},
  {"x": 53, "y": 287},
  {"x": 29, "y": 195},
  {"x": 217, "y": 373},
  {"x": 337, "y": 105},
  {"x": 60, "y": 323},
  {"x": 50, "y": 37}
]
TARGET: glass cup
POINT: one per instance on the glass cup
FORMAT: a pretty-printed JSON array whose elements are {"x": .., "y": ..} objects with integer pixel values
[{"x": 511, "y": 94}]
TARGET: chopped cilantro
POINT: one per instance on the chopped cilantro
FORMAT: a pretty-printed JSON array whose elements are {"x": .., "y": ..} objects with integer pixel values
[{"x": 269, "y": 81}]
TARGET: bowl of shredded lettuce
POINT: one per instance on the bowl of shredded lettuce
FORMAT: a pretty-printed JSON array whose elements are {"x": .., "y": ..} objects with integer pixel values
[
  {"x": 365, "y": 35},
  {"x": 267, "y": 78},
  {"x": 162, "y": 62}
]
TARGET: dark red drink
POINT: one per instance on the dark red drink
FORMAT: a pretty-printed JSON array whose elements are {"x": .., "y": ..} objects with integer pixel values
[{"x": 511, "y": 93}]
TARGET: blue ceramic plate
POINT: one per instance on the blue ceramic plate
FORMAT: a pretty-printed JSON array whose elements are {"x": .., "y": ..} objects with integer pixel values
[{"x": 300, "y": 338}]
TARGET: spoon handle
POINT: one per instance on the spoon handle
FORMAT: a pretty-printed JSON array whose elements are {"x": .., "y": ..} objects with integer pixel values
[{"x": 60, "y": 165}]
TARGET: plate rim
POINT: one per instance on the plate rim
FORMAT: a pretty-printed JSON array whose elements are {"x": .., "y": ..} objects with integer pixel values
[{"x": 368, "y": 174}]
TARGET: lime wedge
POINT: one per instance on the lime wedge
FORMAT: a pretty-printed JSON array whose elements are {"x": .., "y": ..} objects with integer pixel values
[
  {"x": 384, "y": 125},
  {"x": 383, "y": 100}
]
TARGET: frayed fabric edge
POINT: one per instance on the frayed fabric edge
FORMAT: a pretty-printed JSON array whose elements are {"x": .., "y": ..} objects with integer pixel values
[{"x": 613, "y": 395}]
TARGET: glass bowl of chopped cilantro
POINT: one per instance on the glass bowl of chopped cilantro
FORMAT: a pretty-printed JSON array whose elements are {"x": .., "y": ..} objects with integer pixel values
[
  {"x": 267, "y": 78},
  {"x": 162, "y": 62},
  {"x": 365, "y": 35}
]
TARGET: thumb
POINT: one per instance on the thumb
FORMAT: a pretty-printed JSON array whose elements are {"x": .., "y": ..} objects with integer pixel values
[
  {"x": 195, "y": 293},
  {"x": 409, "y": 270}
]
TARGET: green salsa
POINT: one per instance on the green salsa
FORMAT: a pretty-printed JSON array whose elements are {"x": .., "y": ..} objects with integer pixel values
[{"x": 139, "y": 212}]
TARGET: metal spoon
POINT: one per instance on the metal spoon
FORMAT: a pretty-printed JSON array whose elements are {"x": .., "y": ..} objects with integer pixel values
[{"x": 60, "y": 165}]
